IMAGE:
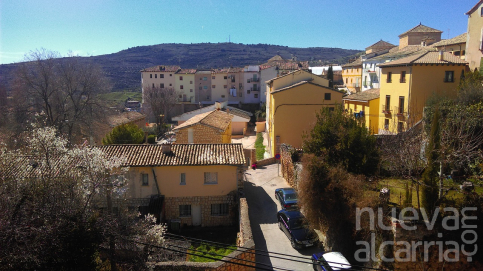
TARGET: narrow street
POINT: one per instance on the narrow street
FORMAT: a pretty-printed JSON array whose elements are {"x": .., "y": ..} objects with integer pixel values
[{"x": 263, "y": 208}]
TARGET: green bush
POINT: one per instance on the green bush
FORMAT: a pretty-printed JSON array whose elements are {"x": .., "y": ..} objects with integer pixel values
[
  {"x": 260, "y": 148},
  {"x": 151, "y": 139},
  {"x": 124, "y": 134}
]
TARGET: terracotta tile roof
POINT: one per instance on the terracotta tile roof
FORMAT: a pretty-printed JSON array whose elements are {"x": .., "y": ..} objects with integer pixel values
[
  {"x": 232, "y": 110},
  {"x": 26, "y": 166},
  {"x": 367, "y": 95},
  {"x": 286, "y": 65},
  {"x": 357, "y": 62},
  {"x": 474, "y": 7},
  {"x": 162, "y": 68},
  {"x": 396, "y": 52},
  {"x": 186, "y": 71},
  {"x": 235, "y": 70},
  {"x": 425, "y": 58},
  {"x": 217, "y": 119},
  {"x": 458, "y": 39},
  {"x": 125, "y": 117},
  {"x": 148, "y": 155},
  {"x": 303, "y": 83},
  {"x": 221, "y": 70},
  {"x": 421, "y": 29},
  {"x": 381, "y": 43},
  {"x": 275, "y": 58}
]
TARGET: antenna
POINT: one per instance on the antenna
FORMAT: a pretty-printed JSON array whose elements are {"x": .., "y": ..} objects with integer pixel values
[{"x": 229, "y": 38}]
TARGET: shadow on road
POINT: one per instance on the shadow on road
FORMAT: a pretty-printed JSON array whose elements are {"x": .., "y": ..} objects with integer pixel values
[{"x": 262, "y": 210}]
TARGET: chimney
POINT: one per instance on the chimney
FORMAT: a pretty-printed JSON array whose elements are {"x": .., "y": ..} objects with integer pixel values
[
  {"x": 166, "y": 148},
  {"x": 441, "y": 56}
]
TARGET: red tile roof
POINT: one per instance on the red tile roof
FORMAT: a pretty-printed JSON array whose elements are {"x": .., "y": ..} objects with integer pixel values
[
  {"x": 162, "y": 68},
  {"x": 180, "y": 155},
  {"x": 186, "y": 71},
  {"x": 426, "y": 58},
  {"x": 421, "y": 29},
  {"x": 217, "y": 119}
]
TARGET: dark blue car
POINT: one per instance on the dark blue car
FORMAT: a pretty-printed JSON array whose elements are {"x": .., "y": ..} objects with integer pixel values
[
  {"x": 287, "y": 197},
  {"x": 294, "y": 225},
  {"x": 330, "y": 261}
]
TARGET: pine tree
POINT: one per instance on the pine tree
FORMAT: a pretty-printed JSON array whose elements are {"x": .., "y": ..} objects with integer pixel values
[{"x": 430, "y": 174}]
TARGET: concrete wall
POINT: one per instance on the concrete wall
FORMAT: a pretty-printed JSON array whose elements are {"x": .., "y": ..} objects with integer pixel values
[
  {"x": 473, "y": 39},
  {"x": 415, "y": 38},
  {"x": 185, "y": 86}
]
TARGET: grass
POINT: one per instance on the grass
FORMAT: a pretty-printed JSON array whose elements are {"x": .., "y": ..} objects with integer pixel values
[
  {"x": 119, "y": 97},
  {"x": 260, "y": 148},
  {"x": 205, "y": 250}
]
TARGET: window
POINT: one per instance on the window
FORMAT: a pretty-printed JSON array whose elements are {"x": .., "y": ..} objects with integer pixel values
[
  {"x": 225, "y": 86},
  {"x": 327, "y": 96},
  {"x": 211, "y": 177},
  {"x": 184, "y": 210},
  {"x": 182, "y": 179},
  {"x": 346, "y": 80},
  {"x": 225, "y": 77},
  {"x": 219, "y": 209},
  {"x": 151, "y": 75},
  {"x": 449, "y": 76},
  {"x": 161, "y": 76},
  {"x": 191, "y": 90},
  {"x": 170, "y": 85},
  {"x": 200, "y": 87},
  {"x": 389, "y": 77},
  {"x": 191, "y": 82},
  {"x": 208, "y": 97},
  {"x": 181, "y": 87},
  {"x": 213, "y": 77},
  {"x": 205, "y": 87},
  {"x": 153, "y": 85},
  {"x": 255, "y": 95},
  {"x": 222, "y": 96},
  {"x": 161, "y": 85},
  {"x": 144, "y": 179},
  {"x": 403, "y": 77},
  {"x": 401, "y": 105},
  {"x": 386, "y": 124},
  {"x": 331, "y": 109},
  {"x": 400, "y": 126},
  {"x": 155, "y": 76},
  {"x": 181, "y": 78},
  {"x": 205, "y": 78},
  {"x": 180, "y": 96},
  {"x": 388, "y": 102},
  {"x": 213, "y": 86},
  {"x": 481, "y": 12}
]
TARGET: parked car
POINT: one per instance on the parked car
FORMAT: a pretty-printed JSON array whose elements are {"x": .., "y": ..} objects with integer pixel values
[
  {"x": 294, "y": 225},
  {"x": 287, "y": 197},
  {"x": 329, "y": 261}
]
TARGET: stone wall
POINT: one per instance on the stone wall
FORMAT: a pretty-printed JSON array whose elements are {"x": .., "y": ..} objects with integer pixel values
[
  {"x": 243, "y": 255},
  {"x": 288, "y": 166},
  {"x": 201, "y": 135},
  {"x": 266, "y": 162},
  {"x": 207, "y": 220}
]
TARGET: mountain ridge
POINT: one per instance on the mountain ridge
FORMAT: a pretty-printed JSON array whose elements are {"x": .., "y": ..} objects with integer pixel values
[{"x": 123, "y": 68}]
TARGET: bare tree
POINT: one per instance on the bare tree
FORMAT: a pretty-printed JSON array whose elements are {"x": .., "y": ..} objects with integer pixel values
[
  {"x": 61, "y": 91},
  {"x": 160, "y": 101}
]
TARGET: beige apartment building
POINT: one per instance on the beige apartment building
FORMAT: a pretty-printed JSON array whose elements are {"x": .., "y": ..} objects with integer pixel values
[{"x": 185, "y": 85}]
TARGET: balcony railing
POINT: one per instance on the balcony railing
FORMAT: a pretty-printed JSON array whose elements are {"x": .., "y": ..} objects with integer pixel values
[
  {"x": 250, "y": 80},
  {"x": 355, "y": 85},
  {"x": 367, "y": 84},
  {"x": 400, "y": 111},
  {"x": 386, "y": 109}
]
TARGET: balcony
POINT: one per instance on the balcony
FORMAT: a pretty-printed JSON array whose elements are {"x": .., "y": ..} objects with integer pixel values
[
  {"x": 386, "y": 109},
  {"x": 355, "y": 85},
  {"x": 367, "y": 84},
  {"x": 250, "y": 80},
  {"x": 254, "y": 89},
  {"x": 400, "y": 111}
]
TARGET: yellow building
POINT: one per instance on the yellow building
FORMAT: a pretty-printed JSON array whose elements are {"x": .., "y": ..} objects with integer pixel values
[
  {"x": 352, "y": 75},
  {"x": 197, "y": 182},
  {"x": 292, "y": 103},
  {"x": 474, "y": 40},
  {"x": 407, "y": 83},
  {"x": 205, "y": 128},
  {"x": 365, "y": 105}
]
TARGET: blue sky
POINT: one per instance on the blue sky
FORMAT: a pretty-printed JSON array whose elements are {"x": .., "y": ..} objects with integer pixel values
[{"x": 96, "y": 27}]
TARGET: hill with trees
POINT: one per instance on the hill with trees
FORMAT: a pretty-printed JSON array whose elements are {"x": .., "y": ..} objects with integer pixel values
[{"x": 123, "y": 68}]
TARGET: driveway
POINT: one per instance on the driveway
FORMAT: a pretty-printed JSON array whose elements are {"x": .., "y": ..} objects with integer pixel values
[{"x": 262, "y": 209}]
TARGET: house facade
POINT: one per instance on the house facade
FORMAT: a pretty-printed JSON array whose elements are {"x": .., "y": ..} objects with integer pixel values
[
  {"x": 251, "y": 84},
  {"x": 352, "y": 75},
  {"x": 455, "y": 46},
  {"x": 293, "y": 101},
  {"x": 474, "y": 39},
  {"x": 159, "y": 76},
  {"x": 205, "y": 128},
  {"x": 239, "y": 122},
  {"x": 185, "y": 85},
  {"x": 365, "y": 105},
  {"x": 197, "y": 182},
  {"x": 407, "y": 83}
]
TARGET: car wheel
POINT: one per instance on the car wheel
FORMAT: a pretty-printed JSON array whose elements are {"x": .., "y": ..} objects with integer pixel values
[
  {"x": 292, "y": 242},
  {"x": 280, "y": 225}
]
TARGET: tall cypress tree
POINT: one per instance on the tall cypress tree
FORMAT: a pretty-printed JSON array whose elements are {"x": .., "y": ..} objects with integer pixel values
[
  {"x": 430, "y": 174},
  {"x": 330, "y": 76}
]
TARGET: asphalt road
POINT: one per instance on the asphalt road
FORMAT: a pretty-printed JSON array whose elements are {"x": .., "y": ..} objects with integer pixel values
[{"x": 262, "y": 209}]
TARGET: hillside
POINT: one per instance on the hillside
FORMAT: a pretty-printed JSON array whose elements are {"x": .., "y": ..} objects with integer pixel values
[{"x": 123, "y": 67}]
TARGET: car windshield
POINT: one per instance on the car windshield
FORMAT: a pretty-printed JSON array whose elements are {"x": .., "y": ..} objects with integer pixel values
[
  {"x": 297, "y": 223},
  {"x": 290, "y": 196}
]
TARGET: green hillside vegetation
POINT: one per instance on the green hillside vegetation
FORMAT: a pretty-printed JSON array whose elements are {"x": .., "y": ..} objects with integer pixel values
[
  {"x": 119, "y": 97},
  {"x": 123, "y": 68}
]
